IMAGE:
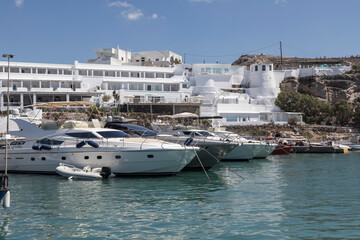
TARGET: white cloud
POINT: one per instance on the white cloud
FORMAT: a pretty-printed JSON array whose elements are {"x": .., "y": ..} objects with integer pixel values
[
  {"x": 19, "y": 3},
  {"x": 120, "y": 4},
  {"x": 132, "y": 14},
  {"x": 207, "y": 1},
  {"x": 154, "y": 16},
  {"x": 129, "y": 11}
]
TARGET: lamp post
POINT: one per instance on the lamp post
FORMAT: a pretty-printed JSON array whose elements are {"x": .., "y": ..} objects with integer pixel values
[{"x": 8, "y": 56}]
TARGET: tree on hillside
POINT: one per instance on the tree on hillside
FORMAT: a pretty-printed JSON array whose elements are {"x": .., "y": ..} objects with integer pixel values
[
  {"x": 356, "y": 118},
  {"x": 342, "y": 110},
  {"x": 312, "y": 109}
]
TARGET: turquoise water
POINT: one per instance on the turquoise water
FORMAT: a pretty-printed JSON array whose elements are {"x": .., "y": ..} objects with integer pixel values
[{"x": 303, "y": 196}]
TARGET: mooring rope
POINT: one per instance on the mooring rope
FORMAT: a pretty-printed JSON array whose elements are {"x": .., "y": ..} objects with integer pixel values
[{"x": 202, "y": 166}]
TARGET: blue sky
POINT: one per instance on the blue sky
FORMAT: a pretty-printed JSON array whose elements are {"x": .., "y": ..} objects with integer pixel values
[{"x": 62, "y": 31}]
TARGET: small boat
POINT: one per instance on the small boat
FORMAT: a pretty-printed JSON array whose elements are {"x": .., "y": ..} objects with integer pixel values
[
  {"x": 283, "y": 147},
  {"x": 87, "y": 172}
]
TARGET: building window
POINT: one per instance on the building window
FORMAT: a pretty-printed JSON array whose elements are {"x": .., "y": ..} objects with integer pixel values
[
  {"x": 110, "y": 73},
  {"x": 98, "y": 73},
  {"x": 256, "y": 68},
  {"x": 270, "y": 68},
  {"x": 175, "y": 87},
  {"x": 52, "y": 71},
  {"x": 143, "y": 59},
  {"x": 231, "y": 118},
  {"x": 226, "y": 70},
  {"x": 41, "y": 71},
  {"x": 216, "y": 70},
  {"x": 82, "y": 72},
  {"x": 263, "y": 67},
  {"x": 208, "y": 70}
]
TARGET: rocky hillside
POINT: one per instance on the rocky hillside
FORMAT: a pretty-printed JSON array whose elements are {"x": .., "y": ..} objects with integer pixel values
[
  {"x": 293, "y": 62},
  {"x": 329, "y": 88}
]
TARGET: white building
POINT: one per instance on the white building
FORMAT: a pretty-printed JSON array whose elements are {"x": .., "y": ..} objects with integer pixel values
[
  {"x": 241, "y": 95},
  {"x": 111, "y": 73},
  {"x": 156, "y": 56}
]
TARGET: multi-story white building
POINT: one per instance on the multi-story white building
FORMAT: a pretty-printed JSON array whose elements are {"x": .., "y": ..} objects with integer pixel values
[{"x": 110, "y": 74}]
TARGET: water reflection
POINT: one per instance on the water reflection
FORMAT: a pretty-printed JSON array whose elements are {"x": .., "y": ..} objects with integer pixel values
[
  {"x": 320, "y": 197},
  {"x": 292, "y": 196}
]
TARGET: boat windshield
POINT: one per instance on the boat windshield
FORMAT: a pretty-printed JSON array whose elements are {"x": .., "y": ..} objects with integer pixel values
[
  {"x": 206, "y": 134},
  {"x": 49, "y": 141},
  {"x": 113, "y": 134},
  {"x": 199, "y": 133},
  {"x": 82, "y": 135},
  {"x": 132, "y": 129}
]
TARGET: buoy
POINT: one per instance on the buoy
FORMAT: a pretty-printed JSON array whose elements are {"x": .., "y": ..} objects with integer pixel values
[{"x": 6, "y": 200}]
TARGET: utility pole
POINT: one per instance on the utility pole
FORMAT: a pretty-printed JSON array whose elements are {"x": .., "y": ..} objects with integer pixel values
[
  {"x": 184, "y": 57},
  {"x": 280, "y": 54}
]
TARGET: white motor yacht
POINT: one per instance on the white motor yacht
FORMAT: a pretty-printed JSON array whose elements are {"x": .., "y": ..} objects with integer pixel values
[
  {"x": 212, "y": 148},
  {"x": 98, "y": 147},
  {"x": 247, "y": 149}
]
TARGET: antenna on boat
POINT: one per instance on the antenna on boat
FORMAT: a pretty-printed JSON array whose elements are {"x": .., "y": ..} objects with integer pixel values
[
  {"x": 4, "y": 178},
  {"x": 280, "y": 54}
]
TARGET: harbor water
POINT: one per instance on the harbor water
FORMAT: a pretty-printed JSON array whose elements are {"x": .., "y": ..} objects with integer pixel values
[{"x": 298, "y": 196}]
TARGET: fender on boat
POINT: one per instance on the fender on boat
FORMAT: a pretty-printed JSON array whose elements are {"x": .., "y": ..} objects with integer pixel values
[
  {"x": 188, "y": 141},
  {"x": 93, "y": 144},
  {"x": 41, "y": 147},
  {"x": 46, "y": 147},
  {"x": 80, "y": 144},
  {"x": 37, "y": 147}
]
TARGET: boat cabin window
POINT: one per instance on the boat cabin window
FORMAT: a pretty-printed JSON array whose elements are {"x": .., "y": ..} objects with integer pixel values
[
  {"x": 17, "y": 143},
  {"x": 113, "y": 134},
  {"x": 82, "y": 135},
  {"x": 49, "y": 141}
]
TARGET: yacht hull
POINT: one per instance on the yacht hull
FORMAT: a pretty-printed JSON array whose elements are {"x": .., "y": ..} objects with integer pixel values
[
  {"x": 210, "y": 153},
  {"x": 265, "y": 150},
  {"x": 122, "y": 162},
  {"x": 243, "y": 152}
]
